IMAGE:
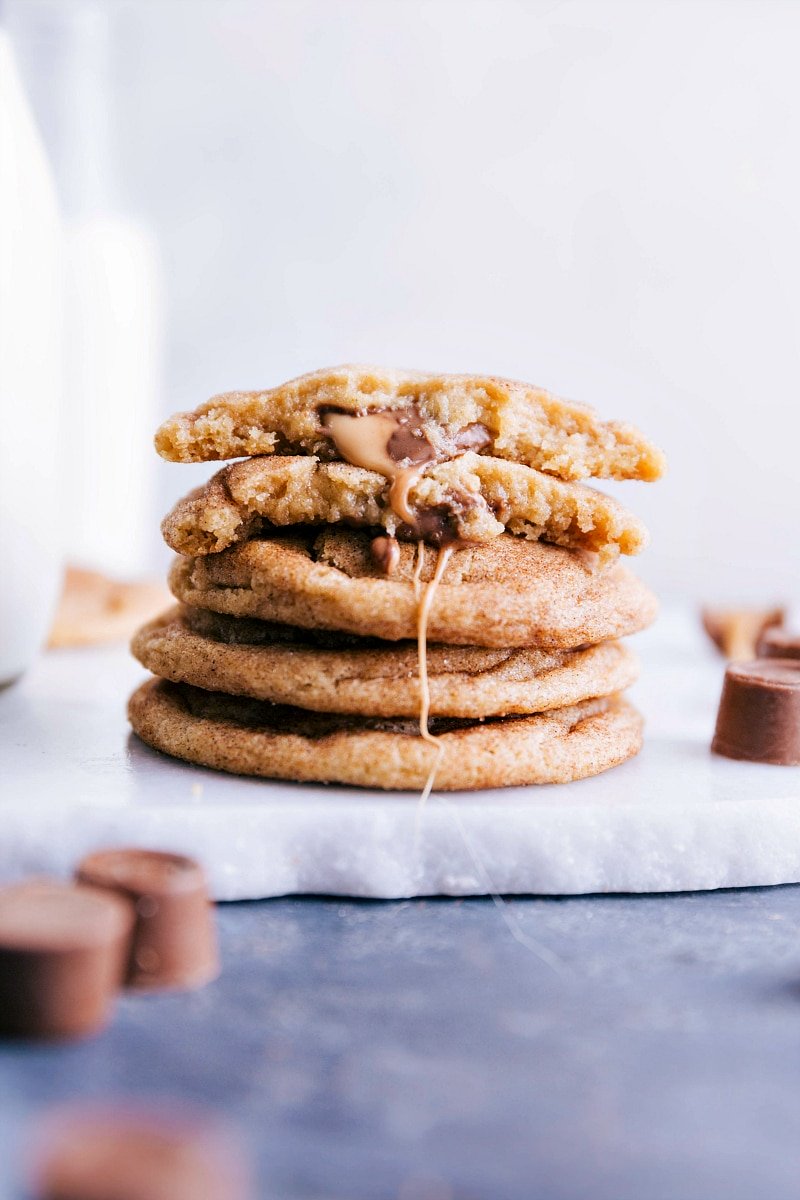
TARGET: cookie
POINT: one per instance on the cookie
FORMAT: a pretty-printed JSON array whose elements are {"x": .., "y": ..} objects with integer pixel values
[
  {"x": 504, "y": 593},
  {"x": 473, "y": 498},
  {"x": 448, "y": 413},
  {"x": 249, "y": 737},
  {"x": 94, "y": 609},
  {"x": 260, "y": 661}
]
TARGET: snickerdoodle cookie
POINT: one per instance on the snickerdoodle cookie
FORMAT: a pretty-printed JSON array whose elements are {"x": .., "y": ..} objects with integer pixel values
[
  {"x": 250, "y": 737},
  {"x": 285, "y": 666},
  {"x": 505, "y": 593}
]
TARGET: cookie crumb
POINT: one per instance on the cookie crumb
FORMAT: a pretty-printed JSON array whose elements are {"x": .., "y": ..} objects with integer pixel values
[
  {"x": 736, "y": 631},
  {"x": 94, "y": 609}
]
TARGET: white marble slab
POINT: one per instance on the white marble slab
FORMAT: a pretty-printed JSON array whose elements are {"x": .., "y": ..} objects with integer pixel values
[{"x": 676, "y": 818}]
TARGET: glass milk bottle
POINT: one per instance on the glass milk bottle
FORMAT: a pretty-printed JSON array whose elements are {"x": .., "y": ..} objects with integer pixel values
[{"x": 30, "y": 377}]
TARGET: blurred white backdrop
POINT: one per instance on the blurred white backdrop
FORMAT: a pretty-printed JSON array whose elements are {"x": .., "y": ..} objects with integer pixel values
[{"x": 596, "y": 196}]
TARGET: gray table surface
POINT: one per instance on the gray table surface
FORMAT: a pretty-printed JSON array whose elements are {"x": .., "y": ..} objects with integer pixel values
[{"x": 420, "y": 1050}]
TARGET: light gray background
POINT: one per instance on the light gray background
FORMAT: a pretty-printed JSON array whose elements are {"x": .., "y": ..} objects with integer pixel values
[{"x": 600, "y": 197}]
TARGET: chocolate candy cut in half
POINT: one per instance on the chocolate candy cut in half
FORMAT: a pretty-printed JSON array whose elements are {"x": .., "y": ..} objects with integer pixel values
[
  {"x": 174, "y": 941},
  {"x": 759, "y": 712},
  {"x": 63, "y": 956}
]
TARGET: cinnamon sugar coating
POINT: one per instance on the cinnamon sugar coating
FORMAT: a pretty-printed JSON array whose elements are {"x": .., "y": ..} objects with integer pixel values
[
  {"x": 274, "y": 663},
  {"x": 504, "y": 593},
  {"x": 249, "y": 737}
]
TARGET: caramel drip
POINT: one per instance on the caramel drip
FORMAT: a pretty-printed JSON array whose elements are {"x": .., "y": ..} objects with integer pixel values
[
  {"x": 374, "y": 442},
  {"x": 423, "y": 612},
  {"x": 363, "y": 441}
]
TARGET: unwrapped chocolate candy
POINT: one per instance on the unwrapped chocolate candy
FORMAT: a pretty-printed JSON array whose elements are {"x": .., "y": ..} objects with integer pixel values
[
  {"x": 759, "y": 712},
  {"x": 174, "y": 942},
  {"x": 63, "y": 955}
]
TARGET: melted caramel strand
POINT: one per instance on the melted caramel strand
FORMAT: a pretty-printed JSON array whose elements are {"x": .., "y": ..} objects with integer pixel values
[
  {"x": 429, "y": 782},
  {"x": 401, "y": 485},
  {"x": 422, "y": 644},
  {"x": 423, "y": 612}
]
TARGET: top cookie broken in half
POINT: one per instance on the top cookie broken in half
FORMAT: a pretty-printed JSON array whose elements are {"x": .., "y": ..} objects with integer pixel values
[{"x": 433, "y": 418}]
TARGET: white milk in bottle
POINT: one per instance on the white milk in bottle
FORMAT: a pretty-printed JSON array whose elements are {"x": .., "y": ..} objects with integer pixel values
[{"x": 30, "y": 377}]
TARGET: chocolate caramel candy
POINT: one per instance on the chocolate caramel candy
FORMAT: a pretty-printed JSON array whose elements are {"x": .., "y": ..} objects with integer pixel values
[
  {"x": 778, "y": 643},
  {"x": 385, "y": 552},
  {"x": 174, "y": 941},
  {"x": 394, "y": 443},
  {"x": 117, "y": 1154},
  {"x": 63, "y": 956},
  {"x": 759, "y": 712}
]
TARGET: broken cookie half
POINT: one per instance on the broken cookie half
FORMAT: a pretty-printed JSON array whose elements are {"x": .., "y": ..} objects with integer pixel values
[
  {"x": 473, "y": 498},
  {"x": 408, "y": 420}
]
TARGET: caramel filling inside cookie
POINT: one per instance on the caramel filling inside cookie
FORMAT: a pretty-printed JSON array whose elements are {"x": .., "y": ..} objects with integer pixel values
[
  {"x": 396, "y": 445},
  {"x": 393, "y": 444}
]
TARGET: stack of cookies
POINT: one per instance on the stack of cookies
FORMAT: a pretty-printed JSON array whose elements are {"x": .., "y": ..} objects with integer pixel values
[{"x": 403, "y": 579}]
